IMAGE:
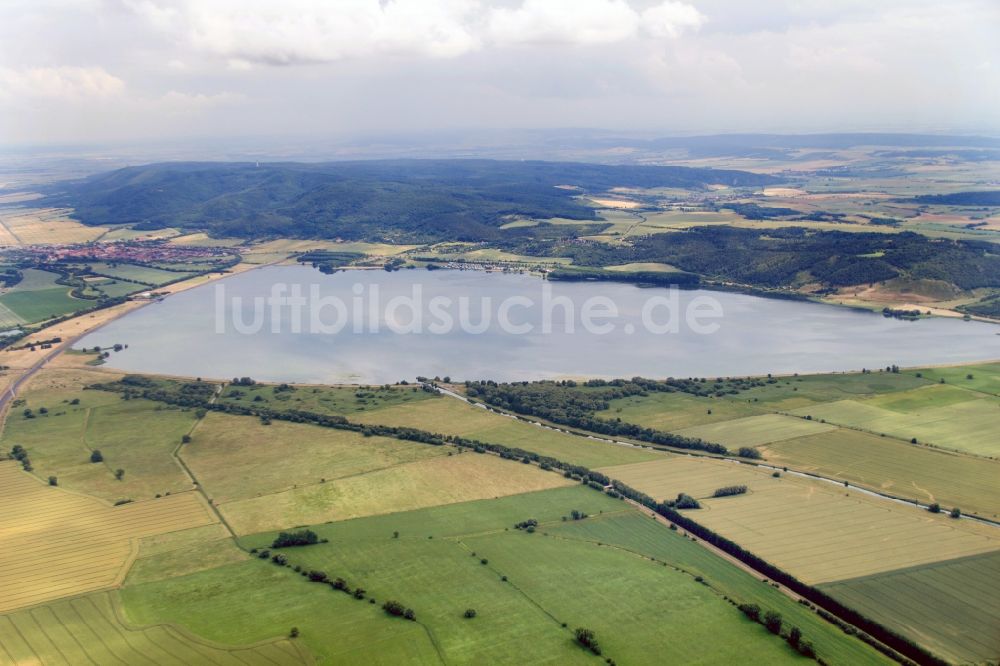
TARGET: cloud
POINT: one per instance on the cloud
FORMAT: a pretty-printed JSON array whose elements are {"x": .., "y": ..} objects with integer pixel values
[
  {"x": 314, "y": 31},
  {"x": 563, "y": 22},
  {"x": 175, "y": 101},
  {"x": 292, "y": 32},
  {"x": 670, "y": 19},
  {"x": 59, "y": 82}
]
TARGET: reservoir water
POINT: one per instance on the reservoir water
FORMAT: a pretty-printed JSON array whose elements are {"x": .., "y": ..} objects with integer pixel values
[{"x": 295, "y": 324}]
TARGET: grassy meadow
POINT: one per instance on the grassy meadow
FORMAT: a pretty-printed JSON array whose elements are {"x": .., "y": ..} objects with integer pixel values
[
  {"x": 436, "y": 566},
  {"x": 896, "y": 467},
  {"x": 454, "y": 417},
  {"x": 137, "y": 436},
  {"x": 89, "y": 629},
  {"x": 37, "y": 297}
]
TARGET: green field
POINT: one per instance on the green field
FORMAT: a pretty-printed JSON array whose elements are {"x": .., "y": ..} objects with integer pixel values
[
  {"x": 37, "y": 297},
  {"x": 985, "y": 377},
  {"x": 144, "y": 274},
  {"x": 89, "y": 630},
  {"x": 135, "y": 435},
  {"x": 699, "y": 477},
  {"x": 755, "y": 430},
  {"x": 889, "y": 465},
  {"x": 936, "y": 414},
  {"x": 454, "y": 417},
  {"x": 673, "y": 411},
  {"x": 440, "y": 480},
  {"x": 236, "y": 457},
  {"x": 952, "y": 607},
  {"x": 788, "y": 393},
  {"x": 342, "y": 400},
  {"x": 639, "y": 609}
]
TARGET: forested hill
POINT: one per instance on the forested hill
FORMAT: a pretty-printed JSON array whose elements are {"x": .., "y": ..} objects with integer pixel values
[{"x": 402, "y": 200}]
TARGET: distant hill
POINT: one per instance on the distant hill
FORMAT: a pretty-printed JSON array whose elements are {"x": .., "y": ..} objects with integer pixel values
[
  {"x": 401, "y": 200},
  {"x": 975, "y": 198}
]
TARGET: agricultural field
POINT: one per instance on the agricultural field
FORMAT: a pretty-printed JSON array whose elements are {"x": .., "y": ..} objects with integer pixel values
[
  {"x": 440, "y": 480},
  {"x": 90, "y": 629},
  {"x": 127, "y": 233},
  {"x": 892, "y": 466},
  {"x": 200, "y": 239},
  {"x": 146, "y": 275},
  {"x": 755, "y": 430},
  {"x": 137, "y": 436},
  {"x": 698, "y": 477},
  {"x": 449, "y": 558},
  {"x": 236, "y": 457},
  {"x": 34, "y": 226},
  {"x": 453, "y": 417},
  {"x": 820, "y": 533},
  {"x": 37, "y": 297},
  {"x": 634, "y": 532},
  {"x": 649, "y": 266},
  {"x": 984, "y": 378},
  {"x": 674, "y": 411},
  {"x": 953, "y": 607},
  {"x": 58, "y": 543},
  {"x": 936, "y": 414},
  {"x": 183, "y": 552}
]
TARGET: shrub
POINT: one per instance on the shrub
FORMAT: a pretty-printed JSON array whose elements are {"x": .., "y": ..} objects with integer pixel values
[
  {"x": 934, "y": 508},
  {"x": 317, "y": 576},
  {"x": 96, "y": 456},
  {"x": 394, "y": 608},
  {"x": 53, "y": 481},
  {"x": 956, "y": 513},
  {"x": 294, "y": 632},
  {"x": 469, "y": 613},
  {"x": 772, "y": 621},
  {"x": 752, "y": 611}
]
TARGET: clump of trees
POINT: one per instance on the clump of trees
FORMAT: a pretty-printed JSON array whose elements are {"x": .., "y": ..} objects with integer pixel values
[
  {"x": 397, "y": 609},
  {"x": 683, "y": 501},
  {"x": 727, "y": 491},
  {"x": 299, "y": 538},
  {"x": 20, "y": 454},
  {"x": 529, "y": 524},
  {"x": 587, "y": 639}
]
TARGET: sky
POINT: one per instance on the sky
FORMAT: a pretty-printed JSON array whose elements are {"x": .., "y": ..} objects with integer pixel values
[{"x": 91, "y": 71}]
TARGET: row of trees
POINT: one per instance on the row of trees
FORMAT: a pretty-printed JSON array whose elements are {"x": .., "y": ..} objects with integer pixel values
[
  {"x": 727, "y": 491},
  {"x": 773, "y": 622}
]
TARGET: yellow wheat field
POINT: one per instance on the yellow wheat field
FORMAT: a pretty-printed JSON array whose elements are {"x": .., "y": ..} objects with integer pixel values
[{"x": 57, "y": 543}]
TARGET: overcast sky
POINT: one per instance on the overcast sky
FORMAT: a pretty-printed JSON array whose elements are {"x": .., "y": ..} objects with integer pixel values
[{"x": 125, "y": 70}]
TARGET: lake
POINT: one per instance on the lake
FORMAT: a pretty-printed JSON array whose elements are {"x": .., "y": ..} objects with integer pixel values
[{"x": 295, "y": 324}]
